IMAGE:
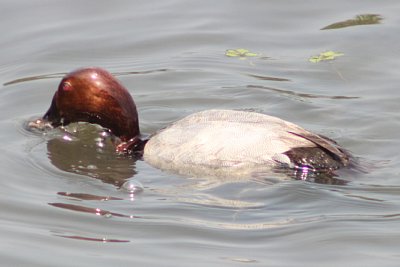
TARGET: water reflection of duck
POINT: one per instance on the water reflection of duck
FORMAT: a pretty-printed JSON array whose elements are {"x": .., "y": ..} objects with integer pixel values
[{"x": 211, "y": 142}]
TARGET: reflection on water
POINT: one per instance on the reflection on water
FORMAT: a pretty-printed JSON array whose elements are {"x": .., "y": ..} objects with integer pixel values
[
  {"x": 333, "y": 178},
  {"x": 89, "y": 150},
  {"x": 96, "y": 211},
  {"x": 85, "y": 196}
]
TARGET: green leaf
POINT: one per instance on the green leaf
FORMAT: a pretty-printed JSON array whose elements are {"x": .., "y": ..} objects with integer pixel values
[
  {"x": 240, "y": 52},
  {"x": 324, "y": 56}
]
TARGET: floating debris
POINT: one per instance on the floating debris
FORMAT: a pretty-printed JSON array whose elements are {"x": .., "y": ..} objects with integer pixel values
[
  {"x": 240, "y": 52},
  {"x": 324, "y": 56},
  {"x": 365, "y": 19}
]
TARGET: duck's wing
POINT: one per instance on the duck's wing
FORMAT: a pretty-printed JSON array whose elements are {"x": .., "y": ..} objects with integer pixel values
[
  {"x": 277, "y": 127},
  {"x": 326, "y": 144}
]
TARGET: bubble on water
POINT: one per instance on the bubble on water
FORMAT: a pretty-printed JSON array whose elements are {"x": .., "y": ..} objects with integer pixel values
[
  {"x": 133, "y": 187},
  {"x": 107, "y": 215}
]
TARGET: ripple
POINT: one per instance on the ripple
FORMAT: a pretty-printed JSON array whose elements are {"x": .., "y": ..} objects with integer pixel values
[
  {"x": 34, "y": 78},
  {"x": 214, "y": 201},
  {"x": 96, "y": 239},
  {"x": 304, "y": 95},
  {"x": 95, "y": 211},
  {"x": 59, "y": 75},
  {"x": 84, "y": 196}
]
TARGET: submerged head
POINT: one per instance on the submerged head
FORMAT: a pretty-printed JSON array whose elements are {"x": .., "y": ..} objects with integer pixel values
[{"x": 93, "y": 95}]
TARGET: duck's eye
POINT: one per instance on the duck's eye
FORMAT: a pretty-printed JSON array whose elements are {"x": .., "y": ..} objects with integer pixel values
[{"x": 66, "y": 86}]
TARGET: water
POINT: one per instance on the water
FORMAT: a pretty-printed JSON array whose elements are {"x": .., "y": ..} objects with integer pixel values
[{"x": 69, "y": 203}]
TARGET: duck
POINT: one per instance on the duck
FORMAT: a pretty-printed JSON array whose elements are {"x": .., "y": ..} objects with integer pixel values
[{"x": 210, "y": 142}]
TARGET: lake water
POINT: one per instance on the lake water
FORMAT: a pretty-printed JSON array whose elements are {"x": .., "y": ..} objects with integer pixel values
[{"x": 69, "y": 203}]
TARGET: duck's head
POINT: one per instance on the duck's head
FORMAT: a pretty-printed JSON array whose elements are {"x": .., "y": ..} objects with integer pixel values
[{"x": 93, "y": 95}]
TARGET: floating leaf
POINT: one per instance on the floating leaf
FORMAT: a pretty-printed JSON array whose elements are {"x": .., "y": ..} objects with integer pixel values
[
  {"x": 240, "y": 52},
  {"x": 328, "y": 55},
  {"x": 365, "y": 19}
]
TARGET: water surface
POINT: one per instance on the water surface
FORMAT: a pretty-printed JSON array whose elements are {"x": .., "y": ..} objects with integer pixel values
[{"x": 69, "y": 203}]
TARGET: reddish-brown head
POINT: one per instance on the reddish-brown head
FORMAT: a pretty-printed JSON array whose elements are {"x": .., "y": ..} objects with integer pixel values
[{"x": 94, "y": 95}]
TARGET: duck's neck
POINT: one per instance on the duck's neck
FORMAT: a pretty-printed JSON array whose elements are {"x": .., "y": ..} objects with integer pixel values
[{"x": 134, "y": 146}]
